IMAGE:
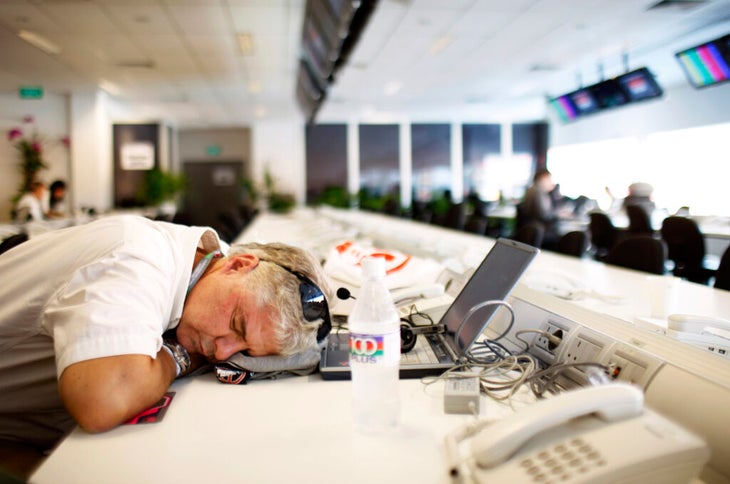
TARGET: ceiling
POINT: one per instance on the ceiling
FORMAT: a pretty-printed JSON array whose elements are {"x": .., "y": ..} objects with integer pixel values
[{"x": 179, "y": 60}]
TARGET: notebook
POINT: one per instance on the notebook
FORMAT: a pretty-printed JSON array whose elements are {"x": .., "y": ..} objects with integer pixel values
[{"x": 493, "y": 280}]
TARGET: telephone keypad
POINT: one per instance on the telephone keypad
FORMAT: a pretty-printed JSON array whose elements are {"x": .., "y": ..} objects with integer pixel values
[{"x": 562, "y": 462}]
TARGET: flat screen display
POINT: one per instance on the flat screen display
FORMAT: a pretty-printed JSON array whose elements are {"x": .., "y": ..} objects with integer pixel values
[
  {"x": 609, "y": 94},
  {"x": 584, "y": 101},
  {"x": 315, "y": 49},
  {"x": 707, "y": 64},
  {"x": 492, "y": 281},
  {"x": 639, "y": 85},
  {"x": 564, "y": 108}
]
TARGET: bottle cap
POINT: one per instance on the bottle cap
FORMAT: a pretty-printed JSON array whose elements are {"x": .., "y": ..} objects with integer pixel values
[{"x": 373, "y": 267}]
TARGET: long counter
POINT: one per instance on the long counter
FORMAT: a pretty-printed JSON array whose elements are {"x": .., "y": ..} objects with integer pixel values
[{"x": 299, "y": 428}]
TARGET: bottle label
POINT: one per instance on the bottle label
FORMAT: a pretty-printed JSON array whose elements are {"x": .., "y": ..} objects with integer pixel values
[{"x": 374, "y": 348}]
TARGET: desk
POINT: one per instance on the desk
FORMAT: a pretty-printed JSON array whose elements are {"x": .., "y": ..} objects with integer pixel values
[
  {"x": 294, "y": 430},
  {"x": 299, "y": 429}
]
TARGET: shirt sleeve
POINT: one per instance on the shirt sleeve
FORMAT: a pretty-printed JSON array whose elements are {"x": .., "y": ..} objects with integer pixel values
[{"x": 117, "y": 305}]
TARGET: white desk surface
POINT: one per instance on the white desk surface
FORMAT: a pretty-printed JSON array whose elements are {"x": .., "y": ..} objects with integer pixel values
[
  {"x": 296, "y": 429},
  {"x": 299, "y": 429},
  {"x": 604, "y": 288}
]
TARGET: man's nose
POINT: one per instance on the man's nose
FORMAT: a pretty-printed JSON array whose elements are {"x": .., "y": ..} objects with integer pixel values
[{"x": 227, "y": 346}]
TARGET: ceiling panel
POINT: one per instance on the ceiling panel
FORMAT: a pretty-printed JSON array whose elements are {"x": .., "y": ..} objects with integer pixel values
[
  {"x": 444, "y": 53},
  {"x": 141, "y": 19},
  {"x": 204, "y": 19}
]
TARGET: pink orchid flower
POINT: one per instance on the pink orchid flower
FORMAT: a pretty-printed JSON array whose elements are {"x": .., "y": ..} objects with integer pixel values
[{"x": 14, "y": 133}]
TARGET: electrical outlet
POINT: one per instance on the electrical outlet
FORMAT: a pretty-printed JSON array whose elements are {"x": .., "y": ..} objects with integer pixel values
[
  {"x": 585, "y": 346},
  {"x": 629, "y": 364},
  {"x": 546, "y": 349}
]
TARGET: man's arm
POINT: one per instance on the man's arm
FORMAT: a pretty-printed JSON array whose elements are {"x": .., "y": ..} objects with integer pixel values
[{"x": 102, "y": 393}]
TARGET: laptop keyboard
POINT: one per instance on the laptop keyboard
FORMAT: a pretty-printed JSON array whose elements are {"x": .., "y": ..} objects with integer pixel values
[{"x": 422, "y": 353}]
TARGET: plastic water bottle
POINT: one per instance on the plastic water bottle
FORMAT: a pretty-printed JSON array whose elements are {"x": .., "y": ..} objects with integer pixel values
[{"x": 374, "y": 327}]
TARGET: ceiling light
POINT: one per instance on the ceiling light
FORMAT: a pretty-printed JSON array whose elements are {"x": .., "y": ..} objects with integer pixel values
[
  {"x": 245, "y": 43},
  {"x": 260, "y": 111},
  {"x": 440, "y": 44},
  {"x": 110, "y": 87},
  {"x": 37, "y": 40},
  {"x": 136, "y": 64}
]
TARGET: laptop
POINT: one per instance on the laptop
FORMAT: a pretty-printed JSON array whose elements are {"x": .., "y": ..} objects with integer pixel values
[{"x": 436, "y": 352}]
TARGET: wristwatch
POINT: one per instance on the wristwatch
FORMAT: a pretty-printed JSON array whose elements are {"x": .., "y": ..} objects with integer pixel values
[{"x": 180, "y": 356}]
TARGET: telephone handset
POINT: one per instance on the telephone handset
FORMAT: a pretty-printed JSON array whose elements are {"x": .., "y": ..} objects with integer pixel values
[
  {"x": 593, "y": 434},
  {"x": 428, "y": 299},
  {"x": 691, "y": 323},
  {"x": 706, "y": 332},
  {"x": 420, "y": 291},
  {"x": 610, "y": 402}
]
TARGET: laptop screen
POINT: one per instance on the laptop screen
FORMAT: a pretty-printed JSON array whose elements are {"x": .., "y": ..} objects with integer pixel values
[{"x": 493, "y": 280}]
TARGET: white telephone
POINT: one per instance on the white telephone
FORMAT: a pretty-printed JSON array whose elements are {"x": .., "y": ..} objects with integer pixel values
[
  {"x": 407, "y": 294},
  {"x": 709, "y": 333},
  {"x": 429, "y": 299},
  {"x": 593, "y": 434}
]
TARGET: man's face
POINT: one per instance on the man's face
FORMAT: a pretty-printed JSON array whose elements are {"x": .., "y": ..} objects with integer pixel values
[{"x": 220, "y": 318}]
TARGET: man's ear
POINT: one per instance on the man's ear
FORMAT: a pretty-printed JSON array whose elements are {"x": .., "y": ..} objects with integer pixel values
[{"x": 241, "y": 263}]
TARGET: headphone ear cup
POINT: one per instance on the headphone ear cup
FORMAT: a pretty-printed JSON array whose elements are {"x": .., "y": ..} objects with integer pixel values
[{"x": 407, "y": 338}]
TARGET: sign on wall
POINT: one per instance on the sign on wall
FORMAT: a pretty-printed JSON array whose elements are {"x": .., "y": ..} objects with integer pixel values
[{"x": 138, "y": 156}]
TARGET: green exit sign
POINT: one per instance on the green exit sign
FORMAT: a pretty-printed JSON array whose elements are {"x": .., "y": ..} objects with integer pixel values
[
  {"x": 30, "y": 92},
  {"x": 213, "y": 150}
]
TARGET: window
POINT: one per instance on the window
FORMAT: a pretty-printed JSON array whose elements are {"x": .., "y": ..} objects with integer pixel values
[
  {"x": 682, "y": 166},
  {"x": 379, "y": 165},
  {"x": 431, "y": 154},
  {"x": 481, "y": 145},
  {"x": 326, "y": 153}
]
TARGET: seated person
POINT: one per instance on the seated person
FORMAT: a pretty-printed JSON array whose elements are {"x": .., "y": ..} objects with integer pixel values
[
  {"x": 101, "y": 318},
  {"x": 640, "y": 194},
  {"x": 538, "y": 207},
  {"x": 30, "y": 205},
  {"x": 56, "y": 199}
]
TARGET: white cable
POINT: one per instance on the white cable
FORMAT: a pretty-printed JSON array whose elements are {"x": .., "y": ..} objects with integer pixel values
[{"x": 477, "y": 307}]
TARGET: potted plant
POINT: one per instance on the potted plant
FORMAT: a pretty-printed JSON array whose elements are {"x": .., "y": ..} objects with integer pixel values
[
  {"x": 161, "y": 188},
  {"x": 30, "y": 149},
  {"x": 278, "y": 202}
]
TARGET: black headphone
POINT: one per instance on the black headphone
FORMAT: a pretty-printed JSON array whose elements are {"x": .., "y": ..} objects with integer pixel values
[{"x": 408, "y": 331}]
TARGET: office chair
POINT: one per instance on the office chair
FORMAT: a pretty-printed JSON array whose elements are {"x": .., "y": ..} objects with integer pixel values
[
  {"x": 455, "y": 218},
  {"x": 640, "y": 252},
  {"x": 686, "y": 248},
  {"x": 421, "y": 212},
  {"x": 573, "y": 243},
  {"x": 639, "y": 220},
  {"x": 722, "y": 275},
  {"x": 13, "y": 240},
  {"x": 476, "y": 224},
  {"x": 604, "y": 235},
  {"x": 531, "y": 233}
]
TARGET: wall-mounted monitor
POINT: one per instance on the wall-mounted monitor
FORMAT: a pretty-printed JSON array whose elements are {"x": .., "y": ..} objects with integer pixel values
[
  {"x": 330, "y": 30},
  {"x": 609, "y": 94},
  {"x": 584, "y": 101},
  {"x": 564, "y": 108},
  {"x": 639, "y": 85},
  {"x": 633, "y": 86},
  {"x": 316, "y": 50},
  {"x": 707, "y": 64}
]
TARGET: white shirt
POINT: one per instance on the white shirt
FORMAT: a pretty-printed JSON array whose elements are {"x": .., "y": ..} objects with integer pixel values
[
  {"x": 110, "y": 287},
  {"x": 28, "y": 205}
]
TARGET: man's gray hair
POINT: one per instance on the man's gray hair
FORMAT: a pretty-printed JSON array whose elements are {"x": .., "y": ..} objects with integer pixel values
[{"x": 278, "y": 289}]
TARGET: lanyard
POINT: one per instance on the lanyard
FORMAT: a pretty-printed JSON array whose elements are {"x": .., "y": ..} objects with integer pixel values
[{"x": 201, "y": 267}]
